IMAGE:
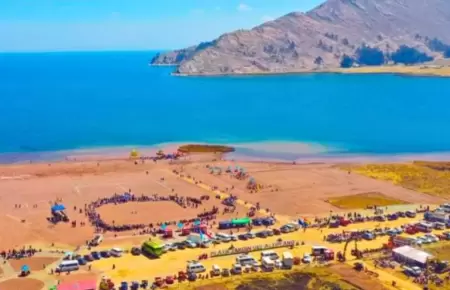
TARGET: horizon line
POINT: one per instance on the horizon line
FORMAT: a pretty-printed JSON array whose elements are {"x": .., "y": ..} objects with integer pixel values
[{"x": 80, "y": 51}]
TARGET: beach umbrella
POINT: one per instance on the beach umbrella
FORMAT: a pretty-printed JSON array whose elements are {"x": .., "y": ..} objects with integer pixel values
[
  {"x": 197, "y": 222},
  {"x": 180, "y": 225},
  {"x": 164, "y": 227},
  {"x": 58, "y": 207},
  {"x": 25, "y": 268},
  {"x": 134, "y": 153}
]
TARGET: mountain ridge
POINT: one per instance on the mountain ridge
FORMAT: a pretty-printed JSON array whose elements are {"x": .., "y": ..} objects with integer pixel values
[{"x": 319, "y": 38}]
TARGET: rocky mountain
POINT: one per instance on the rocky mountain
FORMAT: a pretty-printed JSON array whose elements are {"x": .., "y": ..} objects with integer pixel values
[{"x": 319, "y": 38}]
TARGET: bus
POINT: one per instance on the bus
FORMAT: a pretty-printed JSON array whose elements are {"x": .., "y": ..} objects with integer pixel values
[{"x": 153, "y": 248}]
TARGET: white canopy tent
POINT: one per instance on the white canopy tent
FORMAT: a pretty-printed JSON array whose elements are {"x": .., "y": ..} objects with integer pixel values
[{"x": 410, "y": 255}]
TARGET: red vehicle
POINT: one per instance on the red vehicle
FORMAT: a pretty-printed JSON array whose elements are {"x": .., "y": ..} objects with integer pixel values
[
  {"x": 328, "y": 255},
  {"x": 196, "y": 229},
  {"x": 168, "y": 234},
  {"x": 170, "y": 280},
  {"x": 344, "y": 222},
  {"x": 411, "y": 230},
  {"x": 182, "y": 276}
]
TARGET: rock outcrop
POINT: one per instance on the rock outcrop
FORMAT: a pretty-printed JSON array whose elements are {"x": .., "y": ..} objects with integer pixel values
[{"x": 319, "y": 38}]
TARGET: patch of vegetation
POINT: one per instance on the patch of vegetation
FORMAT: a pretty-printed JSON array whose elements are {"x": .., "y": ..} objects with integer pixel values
[
  {"x": 347, "y": 61},
  {"x": 314, "y": 278},
  {"x": 440, "y": 166},
  {"x": 426, "y": 177},
  {"x": 369, "y": 56},
  {"x": 439, "y": 46},
  {"x": 409, "y": 55},
  {"x": 200, "y": 148},
  {"x": 364, "y": 200}
]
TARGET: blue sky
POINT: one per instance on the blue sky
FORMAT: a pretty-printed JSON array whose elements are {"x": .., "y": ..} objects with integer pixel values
[{"x": 60, "y": 25}]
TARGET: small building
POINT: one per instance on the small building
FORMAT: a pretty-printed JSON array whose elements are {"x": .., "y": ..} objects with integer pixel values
[{"x": 411, "y": 256}]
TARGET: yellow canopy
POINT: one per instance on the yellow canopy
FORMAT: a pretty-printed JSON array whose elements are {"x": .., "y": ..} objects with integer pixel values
[{"x": 134, "y": 153}]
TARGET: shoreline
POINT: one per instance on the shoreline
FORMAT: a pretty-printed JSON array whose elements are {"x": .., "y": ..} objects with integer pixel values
[
  {"x": 415, "y": 71},
  {"x": 276, "y": 152}
]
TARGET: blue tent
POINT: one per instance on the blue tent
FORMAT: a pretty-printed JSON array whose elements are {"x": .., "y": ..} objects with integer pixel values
[
  {"x": 164, "y": 227},
  {"x": 25, "y": 268},
  {"x": 58, "y": 207},
  {"x": 180, "y": 225}
]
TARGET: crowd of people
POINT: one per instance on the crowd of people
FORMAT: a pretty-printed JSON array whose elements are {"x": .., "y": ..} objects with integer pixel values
[
  {"x": 183, "y": 201},
  {"x": 18, "y": 254}
]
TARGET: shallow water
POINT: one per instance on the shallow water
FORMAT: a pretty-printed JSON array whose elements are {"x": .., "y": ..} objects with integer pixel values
[{"x": 70, "y": 101}]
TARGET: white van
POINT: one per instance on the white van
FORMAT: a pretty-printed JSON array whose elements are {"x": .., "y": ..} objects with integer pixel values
[
  {"x": 215, "y": 271},
  {"x": 68, "y": 265},
  {"x": 237, "y": 269},
  {"x": 267, "y": 264},
  {"x": 245, "y": 260},
  {"x": 269, "y": 254},
  {"x": 195, "y": 267},
  {"x": 223, "y": 237},
  {"x": 116, "y": 252},
  {"x": 288, "y": 260}
]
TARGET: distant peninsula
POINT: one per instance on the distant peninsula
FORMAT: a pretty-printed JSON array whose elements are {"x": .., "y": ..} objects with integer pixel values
[{"x": 339, "y": 35}]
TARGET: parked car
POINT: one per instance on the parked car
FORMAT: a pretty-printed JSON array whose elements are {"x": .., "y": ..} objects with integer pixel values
[
  {"x": 413, "y": 271},
  {"x": 135, "y": 251},
  {"x": 243, "y": 237},
  {"x": 262, "y": 234},
  {"x": 432, "y": 238},
  {"x": 81, "y": 261},
  {"x": 105, "y": 254},
  {"x": 225, "y": 272},
  {"x": 190, "y": 244},
  {"x": 250, "y": 235},
  {"x": 424, "y": 240},
  {"x": 96, "y": 255},
  {"x": 307, "y": 258},
  {"x": 88, "y": 258},
  {"x": 410, "y": 214}
]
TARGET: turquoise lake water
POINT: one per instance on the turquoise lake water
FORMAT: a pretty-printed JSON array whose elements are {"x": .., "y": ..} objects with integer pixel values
[{"x": 69, "y": 101}]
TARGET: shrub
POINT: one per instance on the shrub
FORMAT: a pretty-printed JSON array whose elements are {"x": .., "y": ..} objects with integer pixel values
[
  {"x": 409, "y": 55},
  {"x": 347, "y": 61},
  {"x": 369, "y": 56}
]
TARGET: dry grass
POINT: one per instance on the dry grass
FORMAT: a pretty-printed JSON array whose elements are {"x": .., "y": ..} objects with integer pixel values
[
  {"x": 440, "y": 250},
  {"x": 364, "y": 200},
  {"x": 407, "y": 70},
  {"x": 427, "y": 177}
]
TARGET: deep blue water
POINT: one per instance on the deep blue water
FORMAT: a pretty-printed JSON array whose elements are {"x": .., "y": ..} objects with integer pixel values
[{"x": 65, "y": 101}]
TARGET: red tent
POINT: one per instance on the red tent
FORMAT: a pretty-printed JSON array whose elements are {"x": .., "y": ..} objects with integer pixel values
[{"x": 80, "y": 285}]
